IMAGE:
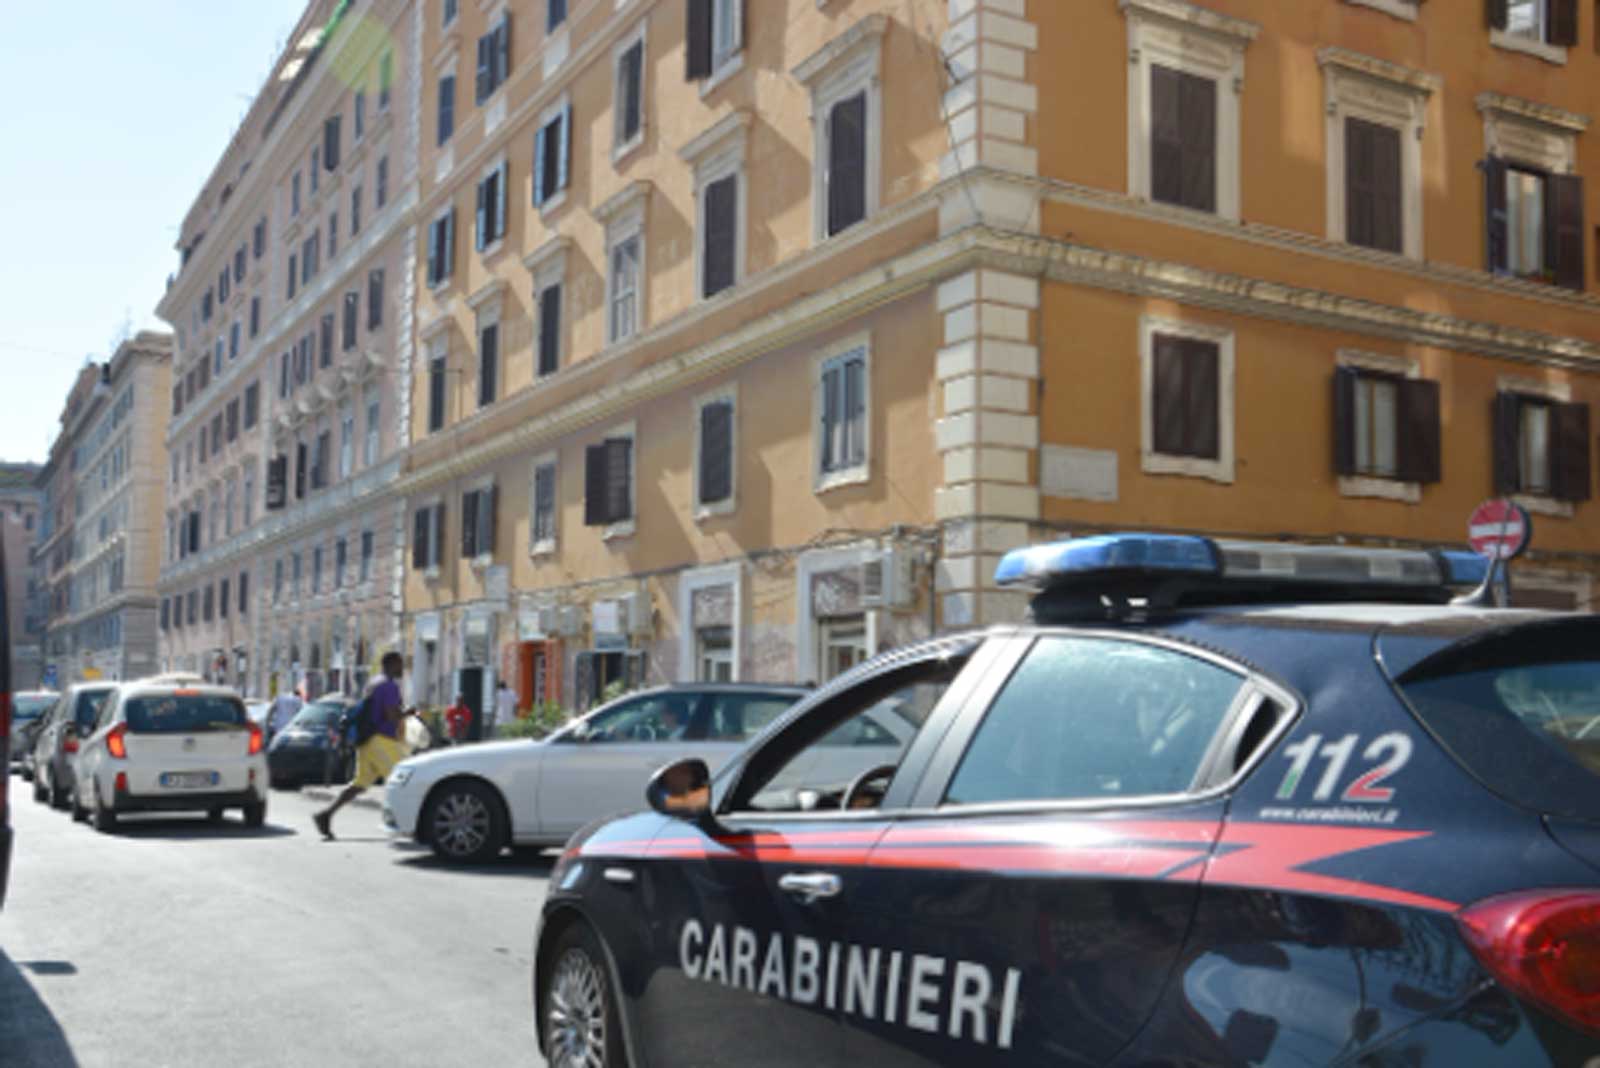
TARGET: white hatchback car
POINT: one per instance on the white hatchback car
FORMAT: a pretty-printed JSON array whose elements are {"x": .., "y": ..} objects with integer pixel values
[{"x": 160, "y": 746}]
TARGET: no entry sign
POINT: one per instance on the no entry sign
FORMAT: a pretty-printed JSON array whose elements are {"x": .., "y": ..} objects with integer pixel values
[{"x": 1499, "y": 529}]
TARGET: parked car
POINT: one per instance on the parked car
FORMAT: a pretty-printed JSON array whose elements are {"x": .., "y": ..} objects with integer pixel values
[
  {"x": 27, "y": 715},
  {"x": 309, "y": 748},
  {"x": 164, "y": 747},
  {"x": 469, "y": 802},
  {"x": 5, "y": 730},
  {"x": 55, "y": 749}
]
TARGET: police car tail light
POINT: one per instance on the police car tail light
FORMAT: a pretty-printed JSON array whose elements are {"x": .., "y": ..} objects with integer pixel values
[
  {"x": 116, "y": 741},
  {"x": 256, "y": 740},
  {"x": 1543, "y": 945}
]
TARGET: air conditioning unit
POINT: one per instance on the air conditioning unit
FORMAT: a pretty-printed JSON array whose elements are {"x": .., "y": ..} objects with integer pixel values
[
  {"x": 886, "y": 580},
  {"x": 569, "y": 620},
  {"x": 636, "y": 612}
]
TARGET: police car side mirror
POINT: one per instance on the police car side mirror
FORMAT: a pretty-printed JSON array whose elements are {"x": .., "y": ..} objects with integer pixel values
[{"x": 681, "y": 790}]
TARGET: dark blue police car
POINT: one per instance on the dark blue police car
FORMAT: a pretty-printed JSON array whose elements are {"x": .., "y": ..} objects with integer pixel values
[{"x": 1218, "y": 803}]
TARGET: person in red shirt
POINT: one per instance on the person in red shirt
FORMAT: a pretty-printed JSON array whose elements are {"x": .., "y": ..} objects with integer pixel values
[{"x": 458, "y": 720}]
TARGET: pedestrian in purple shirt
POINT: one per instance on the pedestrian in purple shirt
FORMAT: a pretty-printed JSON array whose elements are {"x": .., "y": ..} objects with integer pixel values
[{"x": 377, "y": 756}]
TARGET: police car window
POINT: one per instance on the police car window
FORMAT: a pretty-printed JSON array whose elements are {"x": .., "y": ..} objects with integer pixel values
[
  {"x": 862, "y": 750},
  {"x": 657, "y": 718},
  {"x": 1091, "y": 718},
  {"x": 89, "y": 705}
]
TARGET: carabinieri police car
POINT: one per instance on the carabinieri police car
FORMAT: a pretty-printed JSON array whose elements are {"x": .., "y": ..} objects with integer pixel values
[{"x": 1217, "y": 803}]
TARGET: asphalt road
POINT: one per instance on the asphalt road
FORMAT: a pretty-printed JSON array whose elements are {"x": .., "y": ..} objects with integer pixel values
[{"x": 175, "y": 942}]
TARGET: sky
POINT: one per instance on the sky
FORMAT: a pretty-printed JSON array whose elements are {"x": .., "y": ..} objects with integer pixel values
[{"x": 117, "y": 110}]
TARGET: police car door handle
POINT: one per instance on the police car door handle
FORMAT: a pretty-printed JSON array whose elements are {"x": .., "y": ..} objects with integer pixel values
[{"x": 810, "y": 885}]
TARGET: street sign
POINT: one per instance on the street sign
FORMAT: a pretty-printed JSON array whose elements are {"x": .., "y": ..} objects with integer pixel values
[{"x": 1499, "y": 530}]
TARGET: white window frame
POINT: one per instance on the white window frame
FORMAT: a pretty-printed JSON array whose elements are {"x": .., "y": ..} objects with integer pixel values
[
  {"x": 489, "y": 169},
  {"x": 1384, "y": 93},
  {"x": 704, "y": 578},
  {"x": 560, "y": 109},
  {"x": 728, "y": 393},
  {"x": 1154, "y": 463},
  {"x": 547, "y": 546},
  {"x": 1371, "y": 486},
  {"x": 485, "y": 484},
  {"x": 1555, "y": 393},
  {"x": 630, "y": 526},
  {"x": 1400, "y": 9},
  {"x": 846, "y": 66},
  {"x": 620, "y": 150},
  {"x": 808, "y": 627},
  {"x": 1539, "y": 47},
  {"x": 730, "y": 60},
  {"x": 716, "y": 154},
  {"x": 1183, "y": 37},
  {"x": 837, "y": 353},
  {"x": 624, "y": 221},
  {"x": 437, "y": 220},
  {"x": 434, "y": 506}
]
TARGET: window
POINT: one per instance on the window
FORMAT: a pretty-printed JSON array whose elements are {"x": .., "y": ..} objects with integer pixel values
[
  {"x": 1183, "y": 107},
  {"x": 255, "y": 317},
  {"x": 846, "y": 175},
  {"x": 715, "y": 36},
  {"x": 233, "y": 340},
  {"x": 222, "y": 599},
  {"x": 549, "y": 329},
  {"x": 330, "y": 142},
  {"x": 380, "y": 193},
  {"x": 315, "y": 169},
  {"x": 316, "y": 570},
  {"x": 244, "y": 592},
  {"x": 494, "y": 58},
  {"x": 845, "y": 104},
  {"x": 347, "y": 440},
  {"x": 1541, "y": 446},
  {"x": 552, "y": 156},
  {"x": 1138, "y": 721},
  {"x": 359, "y": 115},
  {"x": 1188, "y": 399},
  {"x": 209, "y": 602},
  {"x": 1386, "y": 426},
  {"x": 713, "y": 654},
  {"x": 232, "y": 420},
  {"x": 252, "y": 404},
  {"x": 488, "y": 356},
  {"x": 202, "y": 448},
  {"x": 258, "y": 240},
  {"x": 491, "y": 210},
  {"x": 1535, "y": 223},
  {"x": 1373, "y": 138},
  {"x": 293, "y": 263},
  {"x": 375, "y": 298},
  {"x": 222, "y": 287},
  {"x": 608, "y": 482},
  {"x": 308, "y": 258},
  {"x": 437, "y": 370},
  {"x": 441, "y": 248},
  {"x": 842, "y": 414},
  {"x": 249, "y": 505},
  {"x": 302, "y": 454},
  {"x": 543, "y": 526},
  {"x": 333, "y": 234},
  {"x": 555, "y": 13},
  {"x": 325, "y": 340},
  {"x": 622, "y": 285},
  {"x": 239, "y": 262},
  {"x": 341, "y": 552},
  {"x": 447, "y": 107},
  {"x": 447, "y": 12},
  {"x": 628, "y": 102},
  {"x": 427, "y": 537},
  {"x": 355, "y": 211},
  {"x": 322, "y": 461},
  {"x": 385, "y": 81},
  {"x": 1544, "y": 28},
  {"x": 374, "y": 431},
  {"x": 277, "y": 580},
  {"x": 352, "y": 319},
  {"x": 166, "y": 613},
  {"x": 1372, "y": 185},
  {"x": 367, "y": 543},
  {"x": 479, "y": 515},
  {"x": 715, "y": 453}
]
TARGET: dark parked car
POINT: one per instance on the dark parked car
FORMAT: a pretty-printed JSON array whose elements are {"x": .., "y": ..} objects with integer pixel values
[
  {"x": 55, "y": 747},
  {"x": 309, "y": 749}
]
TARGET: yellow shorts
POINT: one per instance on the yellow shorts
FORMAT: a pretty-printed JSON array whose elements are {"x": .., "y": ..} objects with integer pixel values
[{"x": 376, "y": 758}]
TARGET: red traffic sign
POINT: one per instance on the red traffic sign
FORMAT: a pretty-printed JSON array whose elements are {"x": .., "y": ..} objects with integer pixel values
[{"x": 1499, "y": 529}]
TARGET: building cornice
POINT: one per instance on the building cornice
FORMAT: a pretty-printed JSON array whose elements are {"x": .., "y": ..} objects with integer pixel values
[
  {"x": 1382, "y": 70},
  {"x": 1193, "y": 16},
  {"x": 1558, "y": 119}
]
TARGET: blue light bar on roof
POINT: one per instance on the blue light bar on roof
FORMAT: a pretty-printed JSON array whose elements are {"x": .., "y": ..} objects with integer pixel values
[
  {"x": 1058, "y": 562},
  {"x": 1082, "y": 560}
]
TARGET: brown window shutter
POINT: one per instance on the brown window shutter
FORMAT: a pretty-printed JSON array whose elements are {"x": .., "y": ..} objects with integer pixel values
[
  {"x": 550, "y": 330},
  {"x": 1168, "y": 435},
  {"x": 718, "y": 260},
  {"x": 1198, "y": 117},
  {"x": 419, "y": 539},
  {"x": 1372, "y": 185},
  {"x": 1496, "y": 225},
  {"x": 1497, "y": 13},
  {"x": 594, "y": 486},
  {"x": 1387, "y": 189},
  {"x": 469, "y": 524},
  {"x": 1344, "y": 420},
  {"x": 1563, "y": 22},
  {"x": 494, "y": 518},
  {"x": 1507, "y": 422},
  {"x": 1420, "y": 458},
  {"x": 716, "y": 452},
  {"x": 619, "y": 488},
  {"x": 697, "y": 35},
  {"x": 1202, "y": 420},
  {"x": 1569, "y": 452},
  {"x": 1166, "y": 136},
  {"x": 1566, "y": 239}
]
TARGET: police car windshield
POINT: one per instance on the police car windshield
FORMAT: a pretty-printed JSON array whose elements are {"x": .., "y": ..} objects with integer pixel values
[
  {"x": 1521, "y": 711},
  {"x": 180, "y": 713}
]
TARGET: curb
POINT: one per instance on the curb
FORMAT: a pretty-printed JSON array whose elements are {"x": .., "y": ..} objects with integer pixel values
[{"x": 313, "y": 793}]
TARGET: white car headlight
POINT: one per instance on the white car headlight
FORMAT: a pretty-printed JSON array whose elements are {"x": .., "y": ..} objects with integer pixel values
[{"x": 400, "y": 776}]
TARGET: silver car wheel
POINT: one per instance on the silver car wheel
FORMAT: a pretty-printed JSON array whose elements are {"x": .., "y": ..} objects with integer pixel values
[
  {"x": 576, "y": 1016},
  {"x": 461, "y": 824}
]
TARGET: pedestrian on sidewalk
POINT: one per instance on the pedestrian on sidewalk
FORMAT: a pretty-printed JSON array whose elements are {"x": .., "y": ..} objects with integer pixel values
[
  {"x": 458, "y": 720},
  {"x": 377, "y": 756},
  {"x": 505, "y": 706}
]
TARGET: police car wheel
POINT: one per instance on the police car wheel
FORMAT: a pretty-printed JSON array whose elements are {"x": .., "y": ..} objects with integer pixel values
[
  {"x": 464, "y": 824},
  {"x": 581, "y": 1028}
]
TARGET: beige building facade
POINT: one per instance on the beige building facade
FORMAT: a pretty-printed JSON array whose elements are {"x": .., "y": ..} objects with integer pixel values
[
  {"x": 20, "y": 509},
  {"x": 293, "y": 312}
]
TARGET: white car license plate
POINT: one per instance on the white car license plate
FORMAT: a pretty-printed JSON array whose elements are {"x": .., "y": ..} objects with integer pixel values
[{"x": 188, "y": 780}]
